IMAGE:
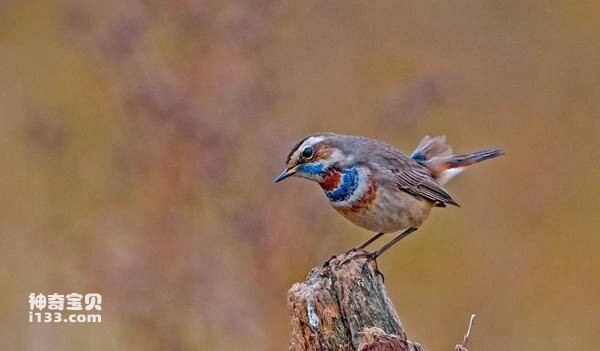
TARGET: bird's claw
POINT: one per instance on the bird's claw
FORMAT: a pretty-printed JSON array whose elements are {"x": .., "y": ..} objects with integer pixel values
[
  {"x": 351, "y": 251},
  {"x": 347, "y": 254},
  {"x": 350, "y": 258},
  {"x": 372, "y": 257},
  {"x": 326, "y": 263}
]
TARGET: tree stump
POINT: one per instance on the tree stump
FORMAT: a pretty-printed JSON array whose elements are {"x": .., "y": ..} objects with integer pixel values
[{"x": 345, "y": 308}]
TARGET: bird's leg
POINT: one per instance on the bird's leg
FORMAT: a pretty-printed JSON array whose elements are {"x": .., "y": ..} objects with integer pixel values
[
  {"x": 360, "y": 247},
  {"x": 374, "y": 255},
  {"x": 366, "y": 243}
]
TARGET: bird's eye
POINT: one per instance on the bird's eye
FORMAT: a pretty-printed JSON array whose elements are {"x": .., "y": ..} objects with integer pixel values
[{"x": 308, "y": 152}]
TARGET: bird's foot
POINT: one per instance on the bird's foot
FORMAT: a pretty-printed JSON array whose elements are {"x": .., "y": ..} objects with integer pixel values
[
  {"x": 350, "y": 257},
  {"x": 326, "y": 263},
  {"x": 354, "y": 249},
  {"x": 372, "y": 257}
]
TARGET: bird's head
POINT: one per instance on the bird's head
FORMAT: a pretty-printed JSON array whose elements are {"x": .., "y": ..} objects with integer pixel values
[{"x": 315, "y": 156}]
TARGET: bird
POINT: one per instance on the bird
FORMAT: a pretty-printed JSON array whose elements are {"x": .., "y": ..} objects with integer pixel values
[{"x": 376, "y": 186}]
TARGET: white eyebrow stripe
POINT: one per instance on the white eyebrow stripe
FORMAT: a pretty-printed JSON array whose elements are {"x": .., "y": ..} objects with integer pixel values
[{"x": 311, "y": 141}]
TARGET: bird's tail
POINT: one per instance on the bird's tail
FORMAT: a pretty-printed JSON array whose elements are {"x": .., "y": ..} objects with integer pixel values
[{"x": 436, "y": 155}]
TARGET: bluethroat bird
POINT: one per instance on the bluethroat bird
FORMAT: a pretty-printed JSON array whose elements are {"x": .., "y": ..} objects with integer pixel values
[{"x": 376, "y": 186}]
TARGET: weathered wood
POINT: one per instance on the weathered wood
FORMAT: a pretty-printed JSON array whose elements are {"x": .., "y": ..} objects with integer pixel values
[{"x": 345, "y": 308}]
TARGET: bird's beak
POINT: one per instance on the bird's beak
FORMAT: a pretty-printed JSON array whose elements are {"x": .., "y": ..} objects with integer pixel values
[{"x": 286, "y": 173}]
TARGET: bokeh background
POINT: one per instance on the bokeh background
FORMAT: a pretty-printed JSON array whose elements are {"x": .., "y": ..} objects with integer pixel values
[{"x": 139, "y": 139}]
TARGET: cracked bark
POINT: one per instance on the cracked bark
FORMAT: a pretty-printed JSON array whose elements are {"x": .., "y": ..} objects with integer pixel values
[{"x": 345, "y": 309}]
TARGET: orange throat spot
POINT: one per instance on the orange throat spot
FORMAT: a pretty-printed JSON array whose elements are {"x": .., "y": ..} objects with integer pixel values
[{"x": 331, "y": 181}]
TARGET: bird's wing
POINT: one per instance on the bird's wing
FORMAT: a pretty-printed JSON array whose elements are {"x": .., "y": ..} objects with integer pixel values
[
  {"x": 420, "y": 183},
  {"x": 395, "y": 166}
]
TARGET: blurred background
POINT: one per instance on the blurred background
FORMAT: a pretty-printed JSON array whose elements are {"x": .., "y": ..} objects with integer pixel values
[{"x": 139, "y": 140}]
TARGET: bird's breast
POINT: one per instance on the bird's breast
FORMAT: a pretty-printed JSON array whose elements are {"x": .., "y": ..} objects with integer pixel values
[
  {"x": 373, "y": 205},
  {"x": 348, "y": 187}
]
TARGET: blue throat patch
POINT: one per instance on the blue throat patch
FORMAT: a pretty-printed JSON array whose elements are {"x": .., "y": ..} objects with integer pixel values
[
  {"x": 312, "y": 168},
  {"x": 347, "y": 186}
]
